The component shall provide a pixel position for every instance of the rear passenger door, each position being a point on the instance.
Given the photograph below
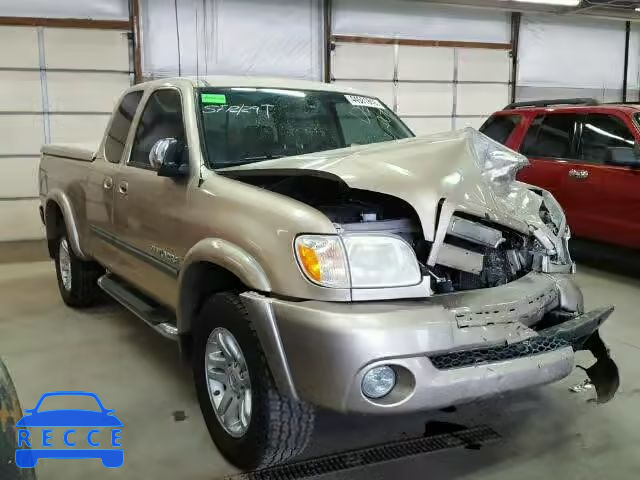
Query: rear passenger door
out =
(100, 188)
(610, 209)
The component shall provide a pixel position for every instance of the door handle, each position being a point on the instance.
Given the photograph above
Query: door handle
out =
(123, 187)
(578, 174)
(108, 183)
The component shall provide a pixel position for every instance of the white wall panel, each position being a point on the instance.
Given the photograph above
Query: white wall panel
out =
(85, 92)
(97, 9)
(381, 90)
(19, 177)
(418, 19)
(569, 52)
(18, 47)
(278, 37)
(355, 60)
(425, 98)
(77, 48)
(20, 220)
(20, 91)
(474, 122)
(78, 128)
(481, 99)
(421, 63)
(485, 65)
(21, 134)
(424, 126)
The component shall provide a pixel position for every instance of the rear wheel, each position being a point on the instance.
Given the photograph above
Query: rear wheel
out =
(77, 279)
(251, 423)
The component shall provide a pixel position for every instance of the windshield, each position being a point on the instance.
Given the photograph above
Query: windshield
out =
(246, 125)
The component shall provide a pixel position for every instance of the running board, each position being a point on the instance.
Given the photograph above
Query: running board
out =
(140, 306)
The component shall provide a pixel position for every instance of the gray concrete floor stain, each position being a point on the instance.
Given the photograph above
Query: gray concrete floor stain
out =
(547, 432)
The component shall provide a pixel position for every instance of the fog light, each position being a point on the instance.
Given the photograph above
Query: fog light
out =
(378, 382)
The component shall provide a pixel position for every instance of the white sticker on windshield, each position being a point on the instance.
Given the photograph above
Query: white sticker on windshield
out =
(360, 101)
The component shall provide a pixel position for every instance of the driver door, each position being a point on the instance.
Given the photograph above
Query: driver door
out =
(149, 209)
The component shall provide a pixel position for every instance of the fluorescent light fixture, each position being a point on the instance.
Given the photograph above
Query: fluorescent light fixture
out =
(637, 9)
(561, 3)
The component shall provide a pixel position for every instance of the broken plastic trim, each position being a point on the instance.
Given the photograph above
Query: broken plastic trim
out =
(582, 332)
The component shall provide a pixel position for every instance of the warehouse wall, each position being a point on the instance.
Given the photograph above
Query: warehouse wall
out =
(422, 20)
(562, 57)
(433, 88)
(94, 9)
(56, 85)
(242, 37)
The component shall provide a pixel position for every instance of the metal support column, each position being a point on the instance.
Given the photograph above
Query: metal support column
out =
(515, 40)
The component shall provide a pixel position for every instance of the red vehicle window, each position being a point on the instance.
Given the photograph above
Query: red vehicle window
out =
(499, 127)
(551, 136)
(605, 139)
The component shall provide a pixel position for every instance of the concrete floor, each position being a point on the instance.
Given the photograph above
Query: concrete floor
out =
(548, 432)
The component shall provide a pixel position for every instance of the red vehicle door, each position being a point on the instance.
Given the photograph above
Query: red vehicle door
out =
(604, 184)
(550, 144)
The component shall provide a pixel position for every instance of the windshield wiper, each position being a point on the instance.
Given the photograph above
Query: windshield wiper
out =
(266, 156)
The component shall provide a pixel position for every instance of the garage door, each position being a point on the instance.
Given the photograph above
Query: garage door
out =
(56, 85)
(432, 88)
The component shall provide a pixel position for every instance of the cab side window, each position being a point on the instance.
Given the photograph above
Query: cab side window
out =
(120, 125)
(551, 136)
(605, 139)
(161, 118)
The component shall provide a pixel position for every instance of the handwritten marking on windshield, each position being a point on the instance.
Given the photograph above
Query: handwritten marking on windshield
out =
(238, 109)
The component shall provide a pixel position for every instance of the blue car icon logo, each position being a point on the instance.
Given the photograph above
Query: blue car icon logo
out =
(67, 420)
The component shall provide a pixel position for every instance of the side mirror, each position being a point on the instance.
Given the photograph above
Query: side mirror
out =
(623, 156)
(169, 157)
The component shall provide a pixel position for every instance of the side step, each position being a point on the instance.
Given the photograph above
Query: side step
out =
(140, 306)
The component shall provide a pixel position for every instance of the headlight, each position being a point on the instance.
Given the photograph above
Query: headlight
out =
(377, 261)
(357, 261)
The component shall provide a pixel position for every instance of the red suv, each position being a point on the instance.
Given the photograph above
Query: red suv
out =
(586, 154)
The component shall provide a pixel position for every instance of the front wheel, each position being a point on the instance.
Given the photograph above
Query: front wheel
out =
(251, 423)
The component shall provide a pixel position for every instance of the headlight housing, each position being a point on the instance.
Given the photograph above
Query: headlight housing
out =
(357, 261)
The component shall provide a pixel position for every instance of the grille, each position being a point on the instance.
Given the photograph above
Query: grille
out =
(526, 348)
(355, 459)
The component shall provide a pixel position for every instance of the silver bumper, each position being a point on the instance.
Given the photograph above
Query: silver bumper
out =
(319, 351)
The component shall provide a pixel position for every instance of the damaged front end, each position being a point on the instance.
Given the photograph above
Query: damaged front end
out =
(454, 200)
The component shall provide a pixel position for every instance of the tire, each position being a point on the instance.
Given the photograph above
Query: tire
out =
(81, 289)
(279, 427)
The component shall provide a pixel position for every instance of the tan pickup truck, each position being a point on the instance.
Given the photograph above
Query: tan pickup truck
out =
(307, 250)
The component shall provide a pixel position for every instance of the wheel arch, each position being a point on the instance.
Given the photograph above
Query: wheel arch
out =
(58, 214)
(213, 266)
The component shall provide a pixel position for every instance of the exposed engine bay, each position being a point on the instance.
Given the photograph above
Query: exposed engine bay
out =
(476, 253)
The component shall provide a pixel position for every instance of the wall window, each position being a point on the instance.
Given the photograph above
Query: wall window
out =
(119, 129)
(551, 136)
(162, 118)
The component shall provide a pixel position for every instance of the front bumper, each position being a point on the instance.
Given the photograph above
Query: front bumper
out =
(446, 350)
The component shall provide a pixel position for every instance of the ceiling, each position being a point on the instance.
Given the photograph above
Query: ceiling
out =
(619, 9)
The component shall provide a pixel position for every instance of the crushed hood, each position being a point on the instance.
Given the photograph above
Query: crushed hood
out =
(466, 169)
